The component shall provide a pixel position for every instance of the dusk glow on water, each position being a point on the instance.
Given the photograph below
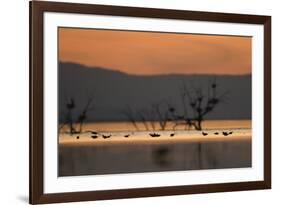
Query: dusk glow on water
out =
(137, 151)
(241, 130)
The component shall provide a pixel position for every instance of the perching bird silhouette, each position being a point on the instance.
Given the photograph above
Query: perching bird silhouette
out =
(70, 105)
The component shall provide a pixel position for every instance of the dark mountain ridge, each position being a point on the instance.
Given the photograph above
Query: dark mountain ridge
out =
(113, 91)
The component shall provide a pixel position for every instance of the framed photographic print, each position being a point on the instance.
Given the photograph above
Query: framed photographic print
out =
(139, 102)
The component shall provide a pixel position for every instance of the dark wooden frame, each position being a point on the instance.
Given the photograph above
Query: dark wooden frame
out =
(37, 9)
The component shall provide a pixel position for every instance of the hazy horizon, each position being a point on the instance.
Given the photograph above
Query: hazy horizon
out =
(157, 74)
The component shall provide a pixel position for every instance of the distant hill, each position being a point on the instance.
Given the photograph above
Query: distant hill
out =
(113, 91)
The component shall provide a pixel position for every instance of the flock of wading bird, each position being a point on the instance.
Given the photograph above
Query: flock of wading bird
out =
(95, 135)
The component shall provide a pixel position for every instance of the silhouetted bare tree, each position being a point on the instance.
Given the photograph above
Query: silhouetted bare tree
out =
(198, 104)
(162, 117)
(149, 117)
(141, 115)
(70, 120)
(195, 106)
(131, 116)
(83, 115)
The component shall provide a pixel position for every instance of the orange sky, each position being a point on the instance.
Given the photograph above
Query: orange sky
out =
(147, 53)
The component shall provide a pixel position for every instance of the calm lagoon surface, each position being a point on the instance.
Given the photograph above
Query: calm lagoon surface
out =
(118, 147)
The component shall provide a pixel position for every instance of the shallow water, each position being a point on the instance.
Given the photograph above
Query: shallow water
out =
(128, 126)
(186, 150)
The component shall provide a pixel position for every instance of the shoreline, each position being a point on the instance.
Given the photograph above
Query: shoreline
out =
(145, 138)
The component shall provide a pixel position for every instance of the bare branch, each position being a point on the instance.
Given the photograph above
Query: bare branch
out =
(130, 115)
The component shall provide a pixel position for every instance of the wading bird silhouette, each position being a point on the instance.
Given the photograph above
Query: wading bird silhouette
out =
(225, 133)
(94, 133)
(154, 135)
(106, 136)
(204, 133)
